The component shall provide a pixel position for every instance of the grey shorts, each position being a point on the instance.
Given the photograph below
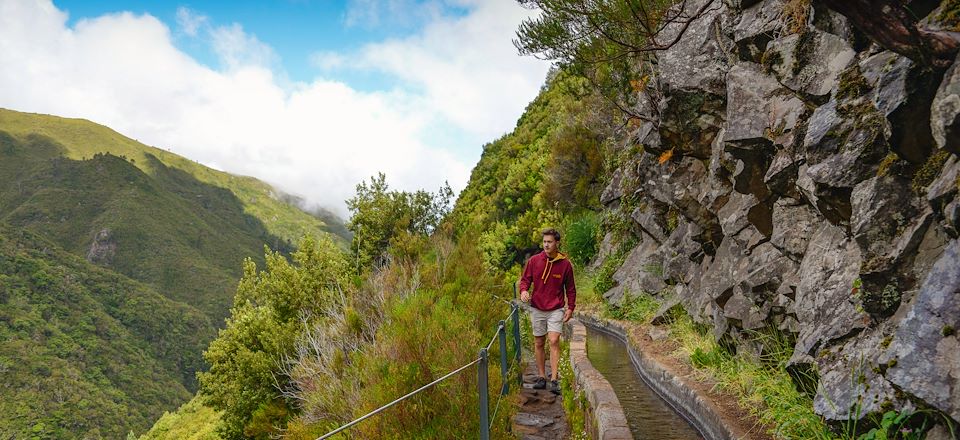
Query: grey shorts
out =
(546, 321)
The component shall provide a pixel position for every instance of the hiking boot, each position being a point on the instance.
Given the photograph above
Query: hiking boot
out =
(555, 387)
(540, 383)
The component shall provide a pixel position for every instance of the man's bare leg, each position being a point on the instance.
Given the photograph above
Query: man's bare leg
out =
(539, 354)
(554, 354)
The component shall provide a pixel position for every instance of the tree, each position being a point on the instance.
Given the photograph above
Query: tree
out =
(606, 41)
(381, 218)
(891, 24)
(270, 310)
(592, 31)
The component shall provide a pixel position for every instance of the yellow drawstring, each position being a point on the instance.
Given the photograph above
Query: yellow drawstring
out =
(546, 270)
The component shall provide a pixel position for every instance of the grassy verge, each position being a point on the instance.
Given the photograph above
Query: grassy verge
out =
(764, 388)
(573, 402)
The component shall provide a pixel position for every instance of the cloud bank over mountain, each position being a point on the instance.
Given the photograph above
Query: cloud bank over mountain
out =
(456, 83)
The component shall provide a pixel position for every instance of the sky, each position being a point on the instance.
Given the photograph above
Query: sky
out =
(312, 96)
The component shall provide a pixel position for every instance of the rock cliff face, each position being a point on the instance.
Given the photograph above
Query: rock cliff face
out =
(810, 187)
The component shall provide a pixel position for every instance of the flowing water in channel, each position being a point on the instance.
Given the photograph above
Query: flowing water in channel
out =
(648, 415)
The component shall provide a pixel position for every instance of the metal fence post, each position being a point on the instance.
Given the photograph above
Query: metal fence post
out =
(502, 335)
(484, 395)
(516, 332)
(516, 342)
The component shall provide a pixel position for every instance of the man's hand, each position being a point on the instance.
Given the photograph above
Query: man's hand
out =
(525, 296)
(567, 315)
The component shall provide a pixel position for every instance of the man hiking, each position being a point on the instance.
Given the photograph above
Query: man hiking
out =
(551, 275)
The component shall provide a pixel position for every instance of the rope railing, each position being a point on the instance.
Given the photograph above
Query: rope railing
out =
(482, 377)
(398, 400)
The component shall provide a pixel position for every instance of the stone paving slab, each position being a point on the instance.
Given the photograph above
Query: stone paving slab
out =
(541, 415)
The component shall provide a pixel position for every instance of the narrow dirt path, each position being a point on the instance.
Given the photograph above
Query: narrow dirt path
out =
(541, 415)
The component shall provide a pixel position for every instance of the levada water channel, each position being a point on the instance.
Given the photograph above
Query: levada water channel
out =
(647, 414)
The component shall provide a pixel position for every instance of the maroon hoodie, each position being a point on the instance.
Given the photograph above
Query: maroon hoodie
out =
(550, 279)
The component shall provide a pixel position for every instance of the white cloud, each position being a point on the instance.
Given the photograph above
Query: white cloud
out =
(316, 139)
(327, 61)
(402, 13)
(236, 49)
(467, 66)
(189, 21)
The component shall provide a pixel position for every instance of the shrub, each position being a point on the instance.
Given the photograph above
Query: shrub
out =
(635, 307)
(581, 238)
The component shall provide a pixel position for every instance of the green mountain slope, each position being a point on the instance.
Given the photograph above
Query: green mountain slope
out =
(117, 263)
(185, 238)
(182, 228)
(85, 352)
(83, 139)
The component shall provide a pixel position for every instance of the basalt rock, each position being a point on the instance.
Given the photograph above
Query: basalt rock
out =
(746, 313)
(793, 226)
(863, 147)
(923, 359)
(652, 217)
(639, 274)
(809, 63)
(733, 214)
(614, 190)
(692, 73)
(781, 176)
(832, 22)
(888, 227)
(826, 308)
(738, 267)
(851, 383)
(805, 192)
(945, 187)
(697, 62)
(945, 112)
(681, 252)
(756, 27)
(881, 206)
(758, 107)
(951, 214)
(606, 248)
(680, 188)
(690, 120)
(822, 138)
(903, 92)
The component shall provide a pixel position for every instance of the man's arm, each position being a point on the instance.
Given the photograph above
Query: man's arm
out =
(525, 279)
(570, 286)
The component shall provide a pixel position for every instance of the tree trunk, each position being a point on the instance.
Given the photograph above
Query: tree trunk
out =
(891, 25)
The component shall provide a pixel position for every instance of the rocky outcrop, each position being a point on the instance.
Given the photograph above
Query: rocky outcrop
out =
(945, 112)
(812, 188)
(924, 356)
(103, 248)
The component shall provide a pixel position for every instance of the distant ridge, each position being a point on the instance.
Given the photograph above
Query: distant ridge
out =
(81, 139)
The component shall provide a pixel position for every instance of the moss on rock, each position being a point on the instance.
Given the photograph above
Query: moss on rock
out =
(949, 16)
(886, 164)
(851, 84)
(929, 171)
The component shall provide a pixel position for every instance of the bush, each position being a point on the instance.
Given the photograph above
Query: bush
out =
(581, 238)
(635, 307)
(604, 276)
(270, 309)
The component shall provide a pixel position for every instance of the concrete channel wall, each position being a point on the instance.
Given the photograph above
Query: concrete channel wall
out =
(699, 412)
(604, 418)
